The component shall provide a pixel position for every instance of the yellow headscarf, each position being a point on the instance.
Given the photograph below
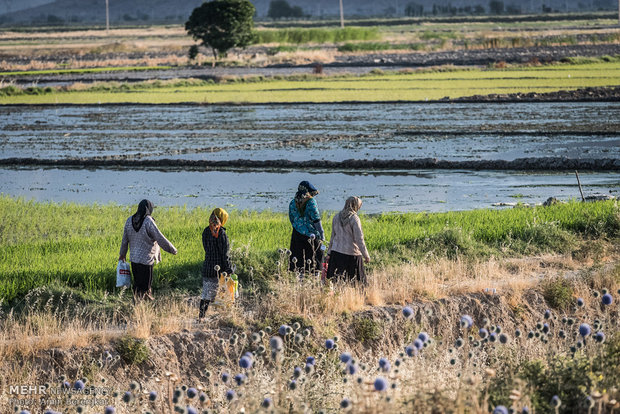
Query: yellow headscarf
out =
(218, 218)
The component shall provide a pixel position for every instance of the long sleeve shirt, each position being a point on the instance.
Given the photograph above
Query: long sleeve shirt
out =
(217, 252)
(348, 239)
(144, 244)
(309, 222)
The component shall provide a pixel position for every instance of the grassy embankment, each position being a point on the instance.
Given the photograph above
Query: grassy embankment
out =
(375, 87)
(77, 246)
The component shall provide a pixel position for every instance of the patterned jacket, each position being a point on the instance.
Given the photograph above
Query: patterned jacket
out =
(217, 252)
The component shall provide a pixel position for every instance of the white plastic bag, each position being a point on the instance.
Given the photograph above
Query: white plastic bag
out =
(123, 274)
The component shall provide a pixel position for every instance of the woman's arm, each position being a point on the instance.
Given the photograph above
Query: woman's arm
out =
(154, 233)
(358, 238)
(334, 232)
(124, 245)
(312, 211)
(225, 249)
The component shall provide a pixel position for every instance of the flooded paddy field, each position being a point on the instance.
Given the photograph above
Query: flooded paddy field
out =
(328, 132)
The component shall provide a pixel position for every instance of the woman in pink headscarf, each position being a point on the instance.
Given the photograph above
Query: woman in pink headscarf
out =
(347, 250)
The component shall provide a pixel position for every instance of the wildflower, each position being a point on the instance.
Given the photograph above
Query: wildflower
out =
(276, 343)
(190, 410)
(312, 236)
(545, 328)
(466, 322)
(345, 357)
(500, 409)
(306, 332)
(547, 314)
(525, 410)
(78, 385)
(483, 333)
(452, 361)
(580, 302)
(384, 364)
(599, 337)
(294, 260)
(109, 410)
(607, 299)
(418, 343)
(283, 330)
(245, 362)
(310, 360)
(261, 349)
(345, 403)
(292, 385)
(216, 268)
(230, 395)
(407, 312)
(240, 379)
(202, 397)
(498, 329)
(296, 372)
(152, 395)
(225, 377)
(423, 336)
(127, 397)
(503, 338)
(584, 329)
(459, 342)
(351, 369)
(562, 334)
(492, 337)
(267, 403)
(530, 334)
(380, 384)
(555, 401)
(329, 344)
(309, 368)
(411, 350)
(517, 333)
(191, 392)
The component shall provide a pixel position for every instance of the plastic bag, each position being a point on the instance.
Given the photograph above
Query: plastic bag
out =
(123, 274)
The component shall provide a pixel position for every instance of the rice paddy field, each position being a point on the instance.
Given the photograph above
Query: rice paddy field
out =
(373, 88)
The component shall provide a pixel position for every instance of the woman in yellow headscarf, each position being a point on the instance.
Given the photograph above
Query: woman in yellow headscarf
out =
(217, 257)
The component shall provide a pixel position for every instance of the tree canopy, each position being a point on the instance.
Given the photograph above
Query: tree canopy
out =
(222, 24)
(280, 8)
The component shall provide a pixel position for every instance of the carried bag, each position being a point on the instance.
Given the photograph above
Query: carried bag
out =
(123, 274)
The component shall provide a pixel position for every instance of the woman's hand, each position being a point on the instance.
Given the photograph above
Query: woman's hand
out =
(367, 259)
(121, 258)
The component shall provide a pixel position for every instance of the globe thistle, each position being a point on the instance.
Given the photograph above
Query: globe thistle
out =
(78, 385)
(498, 329)
(423, 336)
(312, 236)
(483, 333)
(545, 328)
(225, 377)
(599, 337)
(329, 344)
(517, 333)
(240, 379)
(309, 369)
(245, 362)
(306, 332)
(216, 268)
(345, 403)
(493, 337)
(547, 314)
(562, 334)
(530, 334)
(595, 294)
(584, 329)
(459, 342)
(283, 330)
(230, 395)
(191, 393)
(276, 343)
(345, 357)
(503, 338)
(466, 322)
(351, 369)
(411, 350)
(580, 302)
(292, 385)
(297, 372)
(418, 343)
(294, 260)
(310, 360)
(500, 409)
(555, 401)
(127, 397)
(407, 312)
(380, 384)
(109, 410)
(453, 361)
(261, 349)
(607, 299)
(267, 403)
(152, 395)
(525, 410)
(384, 365)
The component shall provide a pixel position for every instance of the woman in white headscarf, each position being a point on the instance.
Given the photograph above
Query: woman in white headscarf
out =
(347, 250)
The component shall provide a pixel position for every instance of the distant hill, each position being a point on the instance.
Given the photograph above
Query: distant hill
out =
(56, 12)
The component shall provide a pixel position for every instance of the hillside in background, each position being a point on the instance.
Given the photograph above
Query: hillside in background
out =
(50, 12)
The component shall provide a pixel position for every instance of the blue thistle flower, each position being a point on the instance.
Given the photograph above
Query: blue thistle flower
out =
(109, 410)
(418, 343)
(580, 302)
(240, 379)
(292, 385)
(230, 395)
(192, 392)
(500, 409)
(555, 401)
(459, 342)
(547, 314)
(329, 344)
(310, 360)
(380, 384)
(384, 364)
(545, 328)
(525, 410)
(283, 330)
(245, 362)
(517, 333)
(411, 350)
(345, 403)
(267, 403)
(345, 357)
(152, 395)
(127, 397)
(24, 412)
(225, 377)
(584, 330)
(297, 372)
(78, 385)
(503, 338)
(190, 410)
(493, 337)
(466, 322)
(351, 369)
(483, 333)
(607, 299)
(599, 337)
(407, 312)
(423, 336)
(276, 343)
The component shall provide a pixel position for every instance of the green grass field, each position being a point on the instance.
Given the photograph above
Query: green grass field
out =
(77, 246)
(378, 87)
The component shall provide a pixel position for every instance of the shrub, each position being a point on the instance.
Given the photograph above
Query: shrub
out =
(132, 350)
(558, 293)
(366, 329)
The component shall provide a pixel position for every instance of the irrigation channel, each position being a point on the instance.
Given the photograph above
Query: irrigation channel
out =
(249, 157)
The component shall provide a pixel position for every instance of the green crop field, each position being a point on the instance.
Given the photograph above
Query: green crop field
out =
(77, 245)
(378, 87)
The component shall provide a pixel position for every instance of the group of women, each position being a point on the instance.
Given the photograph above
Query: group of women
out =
(345, 259)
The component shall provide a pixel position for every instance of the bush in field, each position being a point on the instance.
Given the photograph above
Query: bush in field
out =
(222, 25)
(558, 293)
(132, 350)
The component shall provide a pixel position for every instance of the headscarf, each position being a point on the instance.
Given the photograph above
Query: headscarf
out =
(145, 208)
(218, 218)
(351, 207)
(305, 191)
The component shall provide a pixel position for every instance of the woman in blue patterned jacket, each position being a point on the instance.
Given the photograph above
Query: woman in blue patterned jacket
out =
(308, 234)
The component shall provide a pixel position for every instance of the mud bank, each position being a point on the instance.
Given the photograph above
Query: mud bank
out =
(578, 95)
(520, 164)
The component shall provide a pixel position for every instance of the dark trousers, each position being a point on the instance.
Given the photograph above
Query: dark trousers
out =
(142, 279)
(304, 249)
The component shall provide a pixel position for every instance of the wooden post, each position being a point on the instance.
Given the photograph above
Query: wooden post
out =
(342, 15)
(579, 183)
(107, 17)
